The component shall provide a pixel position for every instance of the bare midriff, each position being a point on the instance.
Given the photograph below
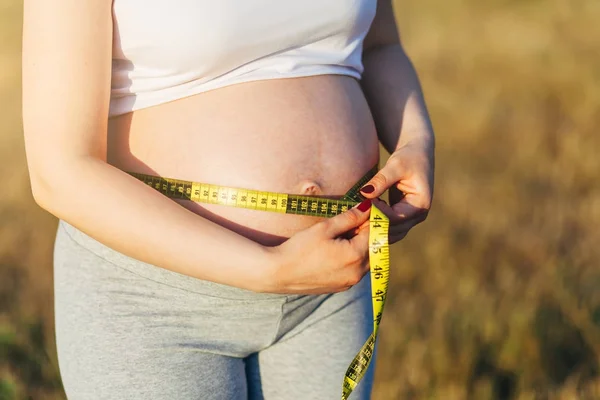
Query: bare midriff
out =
(310, 135)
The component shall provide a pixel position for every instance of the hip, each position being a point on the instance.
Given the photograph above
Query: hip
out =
(100, 290)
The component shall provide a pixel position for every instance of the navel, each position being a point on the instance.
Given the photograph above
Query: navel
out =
(310, 188)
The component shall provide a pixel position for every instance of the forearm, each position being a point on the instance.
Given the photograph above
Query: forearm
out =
(130, 217)
(394, 94)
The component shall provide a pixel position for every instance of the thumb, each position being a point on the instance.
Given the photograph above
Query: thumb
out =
(348, 220)
(379, 183)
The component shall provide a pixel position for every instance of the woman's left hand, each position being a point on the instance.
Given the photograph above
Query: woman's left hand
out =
(408, 174)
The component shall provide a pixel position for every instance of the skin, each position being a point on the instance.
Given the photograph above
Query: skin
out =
(330, 127)
(394, 93)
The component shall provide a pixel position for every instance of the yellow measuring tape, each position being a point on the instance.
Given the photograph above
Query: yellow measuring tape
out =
(379, 255)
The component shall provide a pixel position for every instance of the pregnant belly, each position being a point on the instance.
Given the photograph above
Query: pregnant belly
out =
(311, 135)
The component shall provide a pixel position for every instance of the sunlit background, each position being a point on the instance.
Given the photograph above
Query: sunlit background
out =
(497, 295)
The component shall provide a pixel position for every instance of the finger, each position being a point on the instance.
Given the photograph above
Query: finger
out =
(395, 195)
(360, 243)
(415, 192)
(405, 212)
(397, 237)
(399, 232)
(408, 224)
(410, 198)
(350, 234)
(383, 180)
(365, 225)
(344, 222)
(388, 211)
(381, 205)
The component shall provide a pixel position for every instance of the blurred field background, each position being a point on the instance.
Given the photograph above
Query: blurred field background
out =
(497, 295)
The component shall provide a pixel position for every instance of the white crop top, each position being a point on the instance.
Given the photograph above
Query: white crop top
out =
(165, 50)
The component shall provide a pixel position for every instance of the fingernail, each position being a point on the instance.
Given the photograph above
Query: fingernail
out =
(364, 206)
(368, 189)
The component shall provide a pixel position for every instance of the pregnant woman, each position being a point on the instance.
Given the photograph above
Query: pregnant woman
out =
(164, 299)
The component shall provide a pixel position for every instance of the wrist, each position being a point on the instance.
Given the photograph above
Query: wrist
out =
(266, 275)
(422, 138)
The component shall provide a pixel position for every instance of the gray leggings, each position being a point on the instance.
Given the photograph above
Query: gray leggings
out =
(129, 330)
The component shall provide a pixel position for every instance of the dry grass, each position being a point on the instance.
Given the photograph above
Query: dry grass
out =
(496, 296)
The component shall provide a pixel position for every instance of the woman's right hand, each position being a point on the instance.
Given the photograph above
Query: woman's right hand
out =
(322, 259)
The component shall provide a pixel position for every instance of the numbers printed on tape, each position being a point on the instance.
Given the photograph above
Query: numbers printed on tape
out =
(379, 254)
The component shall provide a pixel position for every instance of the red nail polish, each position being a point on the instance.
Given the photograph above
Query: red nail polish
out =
(368, 189)
(365, 205)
